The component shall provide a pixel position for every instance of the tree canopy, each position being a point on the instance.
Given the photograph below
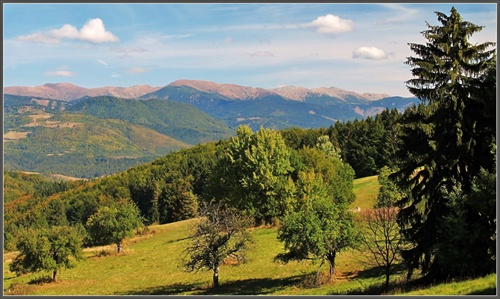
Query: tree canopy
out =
(48, 250)
(112, 224)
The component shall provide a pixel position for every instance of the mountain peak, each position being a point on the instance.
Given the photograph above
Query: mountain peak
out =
(293, 92)
(232, 91)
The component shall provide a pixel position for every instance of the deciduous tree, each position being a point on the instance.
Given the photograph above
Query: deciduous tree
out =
(47, 250)
(319, 225)
(219, 234)
(253, 174)
(112, 224)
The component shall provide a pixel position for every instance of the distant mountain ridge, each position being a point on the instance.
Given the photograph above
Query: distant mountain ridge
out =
(234, 104)
(70, 92)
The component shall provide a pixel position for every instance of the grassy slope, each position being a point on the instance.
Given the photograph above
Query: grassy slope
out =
(72, 150)
(150, 265)
(366, 190)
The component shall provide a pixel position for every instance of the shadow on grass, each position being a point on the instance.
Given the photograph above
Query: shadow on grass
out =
(176, 240)
(487, 291)
(253, 286)
(173, 289)
(379, 288)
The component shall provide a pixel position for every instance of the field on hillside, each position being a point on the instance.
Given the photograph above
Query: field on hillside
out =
(150, 265)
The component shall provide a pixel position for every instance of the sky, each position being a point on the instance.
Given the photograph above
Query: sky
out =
(357, 47)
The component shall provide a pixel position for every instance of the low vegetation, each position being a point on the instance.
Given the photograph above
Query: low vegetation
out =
(156, 253)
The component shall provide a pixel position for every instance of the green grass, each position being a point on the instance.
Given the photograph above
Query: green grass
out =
(366, 190)
(480, 286)
(150, 265)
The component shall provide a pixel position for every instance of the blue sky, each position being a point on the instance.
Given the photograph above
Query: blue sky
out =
(358, 47)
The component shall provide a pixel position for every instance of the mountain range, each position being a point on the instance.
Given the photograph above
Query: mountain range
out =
(102, 130)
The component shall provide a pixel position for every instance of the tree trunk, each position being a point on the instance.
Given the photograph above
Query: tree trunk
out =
(216, 277)
(331, 261)
(387, 275)
(54, 276)
(119, 247)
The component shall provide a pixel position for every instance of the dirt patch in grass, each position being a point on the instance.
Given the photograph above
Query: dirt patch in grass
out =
(13, 135)
(60, 125)
(66, 178)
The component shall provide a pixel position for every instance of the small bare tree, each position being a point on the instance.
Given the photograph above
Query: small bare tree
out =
(220, 233)
(381, 236)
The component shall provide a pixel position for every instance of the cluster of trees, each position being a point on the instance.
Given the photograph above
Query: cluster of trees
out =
(436, 164)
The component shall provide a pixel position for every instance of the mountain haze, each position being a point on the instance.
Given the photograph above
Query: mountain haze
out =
(70, 92)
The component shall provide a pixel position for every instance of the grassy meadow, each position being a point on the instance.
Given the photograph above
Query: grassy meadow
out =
(150, 265)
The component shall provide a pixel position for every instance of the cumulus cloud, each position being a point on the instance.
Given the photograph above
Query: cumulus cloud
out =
(331, 24)
(372, 53)
(262, 54)
(93, 31)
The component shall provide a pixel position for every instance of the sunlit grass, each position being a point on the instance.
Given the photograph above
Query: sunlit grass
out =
(366, 190)
(480, 286)
(151, 265)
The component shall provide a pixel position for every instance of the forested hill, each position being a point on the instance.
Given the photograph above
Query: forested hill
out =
(178, 120)
(99, 136)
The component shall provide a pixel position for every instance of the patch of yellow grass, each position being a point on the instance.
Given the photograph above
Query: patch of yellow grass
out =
(13, 135)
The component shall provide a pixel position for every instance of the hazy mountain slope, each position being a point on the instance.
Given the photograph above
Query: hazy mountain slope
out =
(69, 92)
(280, 108)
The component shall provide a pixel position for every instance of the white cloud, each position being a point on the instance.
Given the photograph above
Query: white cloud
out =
(371, 53)
(102, 62)
(93, 31)
(331, 24)
(59, 73)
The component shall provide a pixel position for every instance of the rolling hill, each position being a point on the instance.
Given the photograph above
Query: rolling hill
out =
(99, 136)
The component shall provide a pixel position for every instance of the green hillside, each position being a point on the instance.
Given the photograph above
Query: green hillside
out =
(150, 266)
(80, 145)
(178, 120)
(99, 136)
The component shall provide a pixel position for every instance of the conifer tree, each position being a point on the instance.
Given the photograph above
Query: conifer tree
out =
(446, 140)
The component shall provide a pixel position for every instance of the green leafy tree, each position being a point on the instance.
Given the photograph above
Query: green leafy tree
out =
(446, 140)
(219, 234)
(318, 225)
(112, 224)
(47, 250)
(253, 174)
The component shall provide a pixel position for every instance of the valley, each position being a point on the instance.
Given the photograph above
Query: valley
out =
(99, 131)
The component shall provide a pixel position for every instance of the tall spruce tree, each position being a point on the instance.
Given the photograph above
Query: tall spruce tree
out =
(446, 141)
